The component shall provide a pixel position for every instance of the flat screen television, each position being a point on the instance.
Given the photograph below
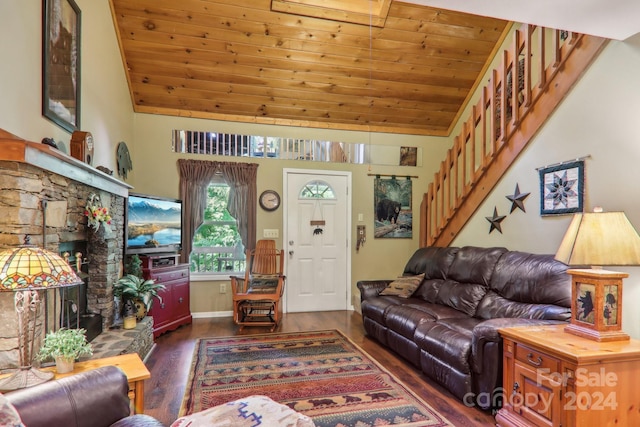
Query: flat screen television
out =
(154, 224)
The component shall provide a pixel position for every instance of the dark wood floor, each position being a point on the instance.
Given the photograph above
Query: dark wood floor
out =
(170, 362)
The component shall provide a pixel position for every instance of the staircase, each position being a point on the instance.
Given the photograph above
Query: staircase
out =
(535, 73)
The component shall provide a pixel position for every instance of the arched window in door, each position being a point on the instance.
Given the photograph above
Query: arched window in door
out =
(317, 190)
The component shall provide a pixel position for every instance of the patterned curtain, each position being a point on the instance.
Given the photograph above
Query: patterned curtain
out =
(241, 178)
(195, 177)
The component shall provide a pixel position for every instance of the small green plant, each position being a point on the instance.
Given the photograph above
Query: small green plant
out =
(66, 343)
(131, 287)
(134, 265)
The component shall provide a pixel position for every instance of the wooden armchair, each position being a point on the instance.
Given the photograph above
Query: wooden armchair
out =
(257, 296)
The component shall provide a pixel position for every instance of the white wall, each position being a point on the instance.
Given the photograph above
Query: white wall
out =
(106, 109)
(599, 118)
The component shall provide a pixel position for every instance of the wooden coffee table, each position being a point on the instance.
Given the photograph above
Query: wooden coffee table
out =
(131, 365)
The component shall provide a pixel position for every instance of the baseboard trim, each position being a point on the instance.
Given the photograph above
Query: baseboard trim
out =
(210, 314)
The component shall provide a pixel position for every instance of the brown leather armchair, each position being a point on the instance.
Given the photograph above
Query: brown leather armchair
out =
(97, 398)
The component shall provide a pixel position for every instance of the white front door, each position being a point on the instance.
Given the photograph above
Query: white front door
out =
(317, 230)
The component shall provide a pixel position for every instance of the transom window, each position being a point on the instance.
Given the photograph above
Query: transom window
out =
(317, 190)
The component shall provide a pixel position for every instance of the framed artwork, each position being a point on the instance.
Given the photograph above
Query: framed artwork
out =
(562, 188)
(408, 156)
(61, 63)
(585, 304)
(392, 208)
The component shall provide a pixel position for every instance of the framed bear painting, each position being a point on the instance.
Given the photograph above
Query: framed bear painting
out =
(392, 208)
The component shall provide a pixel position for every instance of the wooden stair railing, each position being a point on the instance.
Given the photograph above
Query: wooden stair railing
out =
(538, 70)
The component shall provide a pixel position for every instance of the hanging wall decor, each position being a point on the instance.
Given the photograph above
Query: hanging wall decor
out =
(495, 221)
(392, 208)
(562, 188)
(61, 63)
(317, 219)
(517, 199)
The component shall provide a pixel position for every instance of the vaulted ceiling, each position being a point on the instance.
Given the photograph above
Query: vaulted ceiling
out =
(379, 65)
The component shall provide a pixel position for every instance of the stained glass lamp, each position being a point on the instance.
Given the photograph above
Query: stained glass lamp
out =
(597, 239)
(25, 271)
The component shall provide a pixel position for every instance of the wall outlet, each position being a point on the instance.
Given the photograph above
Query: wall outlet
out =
(223, 288)
(272, 233)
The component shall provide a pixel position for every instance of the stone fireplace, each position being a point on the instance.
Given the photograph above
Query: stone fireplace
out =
(43, 193)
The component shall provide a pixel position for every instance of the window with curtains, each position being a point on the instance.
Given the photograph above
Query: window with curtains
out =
(217, 246)
(196, 178)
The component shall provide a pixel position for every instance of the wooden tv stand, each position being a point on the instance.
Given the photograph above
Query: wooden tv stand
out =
(174, 310)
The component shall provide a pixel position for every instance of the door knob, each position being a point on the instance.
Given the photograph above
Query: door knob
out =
(291, 253)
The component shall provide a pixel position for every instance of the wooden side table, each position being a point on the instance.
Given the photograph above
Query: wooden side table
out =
(554, 378)
(131, 365)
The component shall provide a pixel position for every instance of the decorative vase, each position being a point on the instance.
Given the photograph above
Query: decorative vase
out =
(141, 309)
(130, 322)
(130, 314)
(64, 365)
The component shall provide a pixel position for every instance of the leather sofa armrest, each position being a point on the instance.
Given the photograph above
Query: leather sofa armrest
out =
(371, 288)
(89, 399)
(488, 332)
(486, 358)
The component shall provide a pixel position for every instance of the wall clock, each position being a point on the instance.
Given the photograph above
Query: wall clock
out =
(269, 200)
(82, 146)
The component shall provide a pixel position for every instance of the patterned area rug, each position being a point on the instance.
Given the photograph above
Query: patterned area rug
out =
(321, 374)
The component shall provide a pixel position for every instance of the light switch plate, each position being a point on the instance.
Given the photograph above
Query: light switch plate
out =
(272, 233)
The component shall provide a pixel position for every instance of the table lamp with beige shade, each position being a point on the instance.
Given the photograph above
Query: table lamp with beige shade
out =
(27, 270)
(598, 239)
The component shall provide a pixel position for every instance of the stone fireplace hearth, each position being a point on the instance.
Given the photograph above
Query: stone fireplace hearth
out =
(40, 184)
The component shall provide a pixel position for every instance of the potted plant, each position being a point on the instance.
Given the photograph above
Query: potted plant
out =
(65, 346)
(136, 290)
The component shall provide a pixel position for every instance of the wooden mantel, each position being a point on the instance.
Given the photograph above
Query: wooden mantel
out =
(16, 149)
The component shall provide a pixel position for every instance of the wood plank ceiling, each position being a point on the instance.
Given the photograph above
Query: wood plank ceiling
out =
(399, 68)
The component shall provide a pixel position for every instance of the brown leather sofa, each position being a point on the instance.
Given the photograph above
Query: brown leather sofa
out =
(448, 328)
(94, 398)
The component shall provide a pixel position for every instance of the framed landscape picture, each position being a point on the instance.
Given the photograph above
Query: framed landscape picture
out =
(61, 63)
(562, 188)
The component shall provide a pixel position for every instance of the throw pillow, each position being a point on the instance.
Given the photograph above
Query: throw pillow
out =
(8, 415)
(403, 286)
(250, 411)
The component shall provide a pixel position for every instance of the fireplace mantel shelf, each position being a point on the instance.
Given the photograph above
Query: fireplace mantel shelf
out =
(15, 149)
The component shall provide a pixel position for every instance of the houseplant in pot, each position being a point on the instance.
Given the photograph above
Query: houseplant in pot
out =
(138, 291)
(65, 346)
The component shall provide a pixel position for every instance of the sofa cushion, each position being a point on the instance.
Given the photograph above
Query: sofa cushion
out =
(463, 297)
(404, 319)
(532, 278)
(433, 261)
(443, 343)
(436, 311)
(376, 308)
(403, 286)
(475, 265)
(494, 306)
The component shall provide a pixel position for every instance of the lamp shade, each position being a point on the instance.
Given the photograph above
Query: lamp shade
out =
(30, 267)
(600, 238)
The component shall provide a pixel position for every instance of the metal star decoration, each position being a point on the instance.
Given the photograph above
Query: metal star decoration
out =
(517, 199)
(495, 221)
